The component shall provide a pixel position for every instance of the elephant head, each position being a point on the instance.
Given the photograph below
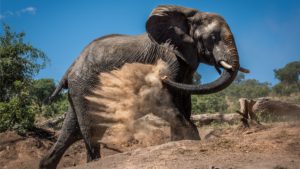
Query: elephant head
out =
(198, 37)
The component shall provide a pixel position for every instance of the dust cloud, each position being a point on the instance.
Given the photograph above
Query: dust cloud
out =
(127, 94)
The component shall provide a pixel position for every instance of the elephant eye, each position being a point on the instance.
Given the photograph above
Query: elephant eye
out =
(213, 37)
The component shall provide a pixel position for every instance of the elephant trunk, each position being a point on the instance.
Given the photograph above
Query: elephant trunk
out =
(226, 78)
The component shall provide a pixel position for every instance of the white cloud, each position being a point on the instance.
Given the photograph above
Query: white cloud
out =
(28, 10)
(8, 13)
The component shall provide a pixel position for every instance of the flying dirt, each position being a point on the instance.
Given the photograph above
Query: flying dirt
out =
(126, 95)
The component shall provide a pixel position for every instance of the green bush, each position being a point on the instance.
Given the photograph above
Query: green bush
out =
(208, 103)
(43, 88)
(19, 112)
(227, 100)
(283, 89)
(57, 107)
(19, 95)
(250, 88)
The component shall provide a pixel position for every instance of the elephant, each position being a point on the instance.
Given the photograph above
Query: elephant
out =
(180, 36)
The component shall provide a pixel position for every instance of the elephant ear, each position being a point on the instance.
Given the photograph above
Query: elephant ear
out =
(169, 24)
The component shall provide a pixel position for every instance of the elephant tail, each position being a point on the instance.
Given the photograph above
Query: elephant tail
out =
(63, 84)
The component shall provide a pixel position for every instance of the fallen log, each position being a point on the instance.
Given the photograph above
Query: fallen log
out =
(207, 119)
(266, 106)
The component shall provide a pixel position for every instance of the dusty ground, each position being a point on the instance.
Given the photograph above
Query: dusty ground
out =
(275, 146)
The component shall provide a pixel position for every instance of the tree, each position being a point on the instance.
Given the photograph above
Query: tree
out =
(19, 62)
(239, 78)
(41, 89)
(289, 74)
(249, 88)
(289, 79)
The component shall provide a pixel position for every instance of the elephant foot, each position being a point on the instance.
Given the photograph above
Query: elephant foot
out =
(185, 133)
(48, 162)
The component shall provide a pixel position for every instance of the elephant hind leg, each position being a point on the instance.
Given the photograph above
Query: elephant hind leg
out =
(91, 133)
(70, 133)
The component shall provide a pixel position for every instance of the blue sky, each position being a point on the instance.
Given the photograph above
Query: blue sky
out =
(267, 32)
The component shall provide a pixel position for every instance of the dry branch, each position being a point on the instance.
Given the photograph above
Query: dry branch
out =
(53, 123)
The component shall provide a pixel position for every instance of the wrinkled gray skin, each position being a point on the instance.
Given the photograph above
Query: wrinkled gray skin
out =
(183, 37)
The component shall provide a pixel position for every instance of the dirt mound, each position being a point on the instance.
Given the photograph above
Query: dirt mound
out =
(25, 152)
(274, 145)
(21, 152)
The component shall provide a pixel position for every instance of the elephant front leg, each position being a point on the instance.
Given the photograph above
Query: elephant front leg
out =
(185, 131)
(181, 128)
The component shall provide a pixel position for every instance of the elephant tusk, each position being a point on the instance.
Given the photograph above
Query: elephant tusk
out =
(244, 70)
(225, 65)
(164, 77)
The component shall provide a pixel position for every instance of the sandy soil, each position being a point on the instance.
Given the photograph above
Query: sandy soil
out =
(274, 146)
